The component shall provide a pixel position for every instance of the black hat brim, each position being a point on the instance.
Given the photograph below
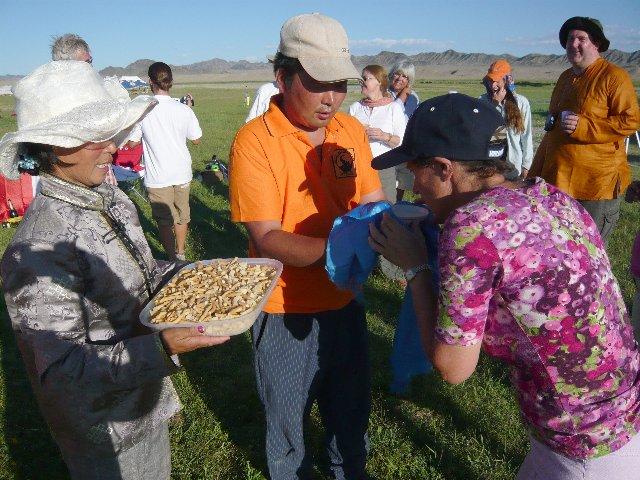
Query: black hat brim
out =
(587, 25)
(393, 157)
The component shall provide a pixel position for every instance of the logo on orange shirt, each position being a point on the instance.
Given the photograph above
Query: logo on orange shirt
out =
(344, 162)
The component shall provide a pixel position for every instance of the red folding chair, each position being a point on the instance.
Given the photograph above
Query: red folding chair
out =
(129, 170)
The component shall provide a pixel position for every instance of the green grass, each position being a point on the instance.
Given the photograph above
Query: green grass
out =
(438, 431)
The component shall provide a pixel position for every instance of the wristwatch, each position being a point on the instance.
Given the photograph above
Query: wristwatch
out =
(413, 271)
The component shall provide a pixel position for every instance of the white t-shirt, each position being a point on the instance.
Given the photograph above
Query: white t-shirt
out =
(389, 118)
(164, 132)
(263, 97)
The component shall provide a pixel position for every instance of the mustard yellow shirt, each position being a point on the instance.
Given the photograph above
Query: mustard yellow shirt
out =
(591, 163)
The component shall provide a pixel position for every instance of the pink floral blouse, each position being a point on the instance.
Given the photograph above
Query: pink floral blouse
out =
(525, 272)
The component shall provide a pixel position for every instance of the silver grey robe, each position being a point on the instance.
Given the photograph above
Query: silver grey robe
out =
(73, 290)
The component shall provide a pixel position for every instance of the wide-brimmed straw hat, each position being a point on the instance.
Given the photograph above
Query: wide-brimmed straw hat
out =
(321, 45)
(67, 104)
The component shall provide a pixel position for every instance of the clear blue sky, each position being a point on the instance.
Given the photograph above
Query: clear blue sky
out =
(188, 31)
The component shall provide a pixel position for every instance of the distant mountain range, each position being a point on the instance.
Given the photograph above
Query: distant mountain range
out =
(451, 57)
(429, 65)
(628, 60)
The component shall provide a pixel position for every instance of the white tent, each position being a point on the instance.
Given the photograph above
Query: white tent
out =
(5, 90)
(130, 82)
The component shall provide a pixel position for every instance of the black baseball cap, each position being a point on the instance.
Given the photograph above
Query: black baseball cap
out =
(590, 25)
(453, 126)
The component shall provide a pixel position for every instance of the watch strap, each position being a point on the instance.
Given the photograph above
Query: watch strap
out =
(413, 271)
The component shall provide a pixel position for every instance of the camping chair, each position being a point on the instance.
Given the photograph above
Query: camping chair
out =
(130, 181)
(627, 140)
(215, 172)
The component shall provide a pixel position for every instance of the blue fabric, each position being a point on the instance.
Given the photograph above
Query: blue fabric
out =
(349, 262)
(408, 358)
(350, 259)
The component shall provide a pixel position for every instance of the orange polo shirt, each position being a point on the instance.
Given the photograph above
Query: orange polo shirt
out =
(276, 174)
(591, 163)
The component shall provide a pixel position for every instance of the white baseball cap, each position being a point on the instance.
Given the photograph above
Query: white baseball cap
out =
(321, 45)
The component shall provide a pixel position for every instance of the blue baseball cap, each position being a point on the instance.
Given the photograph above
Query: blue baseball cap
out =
(453, 126)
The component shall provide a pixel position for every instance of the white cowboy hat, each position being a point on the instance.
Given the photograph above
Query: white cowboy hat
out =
(67, 104)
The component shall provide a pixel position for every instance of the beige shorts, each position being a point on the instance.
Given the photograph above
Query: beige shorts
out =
(170, 205)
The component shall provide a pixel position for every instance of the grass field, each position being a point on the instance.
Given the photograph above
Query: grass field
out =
(439, 431)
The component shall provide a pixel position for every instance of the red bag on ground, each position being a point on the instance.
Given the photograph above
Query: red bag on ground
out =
(129, 158)
(19, 191)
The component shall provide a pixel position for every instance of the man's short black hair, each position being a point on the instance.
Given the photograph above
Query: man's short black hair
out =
(289, 65)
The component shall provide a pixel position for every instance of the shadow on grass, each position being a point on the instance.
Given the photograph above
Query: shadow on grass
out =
(229, 392)
(383, 301)
(211, 231)
(224, 377)
(385, 304)
(31, 449)
(429, 393)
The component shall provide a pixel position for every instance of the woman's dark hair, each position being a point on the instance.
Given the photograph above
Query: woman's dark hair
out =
(481, 168)
(160, 75)
(41, 154)
(289, 65)
(514, 118)
(487, 168)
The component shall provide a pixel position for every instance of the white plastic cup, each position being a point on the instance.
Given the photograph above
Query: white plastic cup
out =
(408, 213)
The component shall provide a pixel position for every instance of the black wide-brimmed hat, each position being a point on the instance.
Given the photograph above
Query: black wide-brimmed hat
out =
(590, 25)
(453, 126)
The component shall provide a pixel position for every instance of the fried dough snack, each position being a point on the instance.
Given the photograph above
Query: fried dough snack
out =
(224, 289)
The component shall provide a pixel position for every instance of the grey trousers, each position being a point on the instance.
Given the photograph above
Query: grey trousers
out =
(301, 358)
(605, 214)
(149, 459)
